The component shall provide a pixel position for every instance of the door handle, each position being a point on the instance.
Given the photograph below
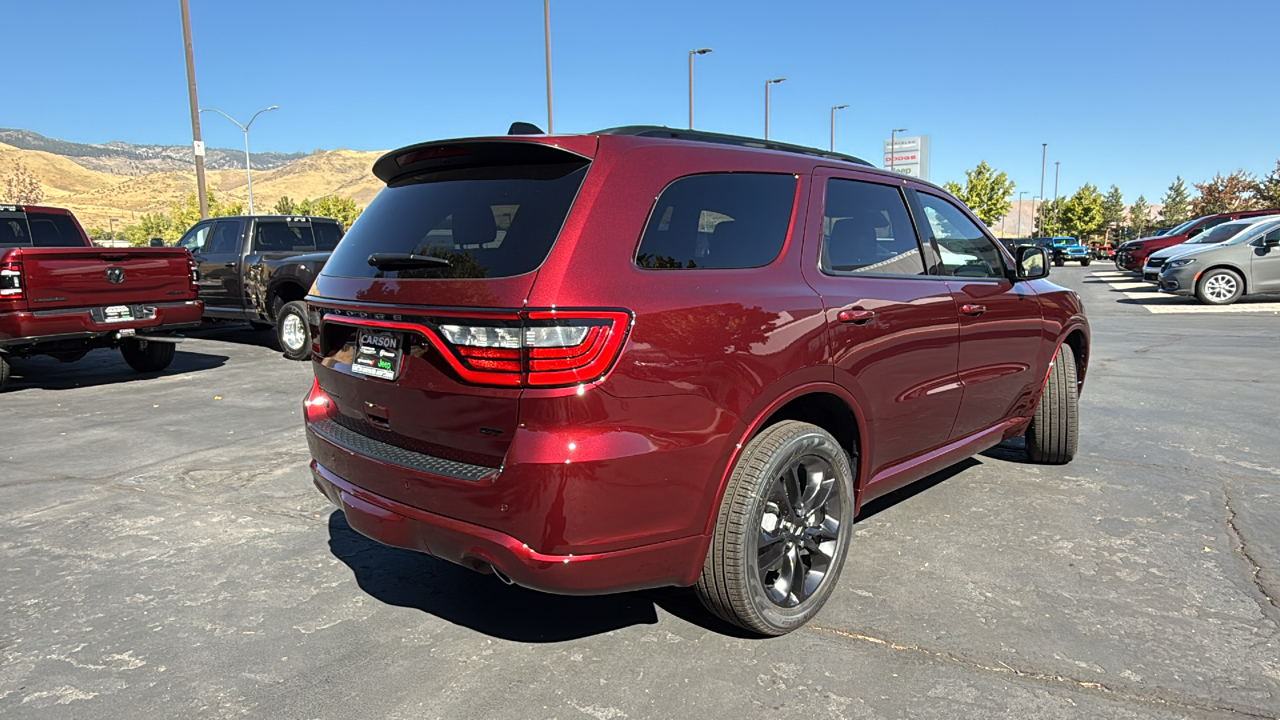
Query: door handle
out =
(856, 316)
(972, 309)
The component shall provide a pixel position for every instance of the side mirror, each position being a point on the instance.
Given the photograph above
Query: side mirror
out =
(1032, 263)
(1270, 242)
(156, 242)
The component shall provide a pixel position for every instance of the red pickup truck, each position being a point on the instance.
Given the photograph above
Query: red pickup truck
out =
(61, 296)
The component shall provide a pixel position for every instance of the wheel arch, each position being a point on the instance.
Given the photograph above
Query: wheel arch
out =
(825, 404)
(1244, 276)
(287, 289)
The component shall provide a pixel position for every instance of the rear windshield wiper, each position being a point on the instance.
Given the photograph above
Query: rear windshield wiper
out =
(401, 261)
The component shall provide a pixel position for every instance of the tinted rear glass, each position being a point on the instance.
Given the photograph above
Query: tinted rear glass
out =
(14, 230)
(282, 236)
(327, 235)
(487, 222)
(54, 231)
(727, 220)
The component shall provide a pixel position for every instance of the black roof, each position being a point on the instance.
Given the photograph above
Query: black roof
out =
(262, 216)
(720, 138)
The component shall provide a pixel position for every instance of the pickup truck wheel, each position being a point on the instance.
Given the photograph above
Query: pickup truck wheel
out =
(148, 357)
(782, 532)
(4, 371)
(1220, 287)
(292, 330)
(1054, 432)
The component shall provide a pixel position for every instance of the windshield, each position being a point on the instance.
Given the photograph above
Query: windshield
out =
(1178, 230)
(1222, 233)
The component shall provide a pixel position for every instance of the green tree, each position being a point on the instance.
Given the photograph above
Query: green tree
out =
(153, 225)
(342, 209)
(285, 206)
(1267, 192)
(1047, 218)
(1139, 216)
(1081, 213)
(985, 191)
(1112, 210)
(186, 212)
(1225, 194)
(1177, 204)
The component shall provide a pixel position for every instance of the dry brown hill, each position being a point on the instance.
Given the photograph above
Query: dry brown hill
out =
(96, 197)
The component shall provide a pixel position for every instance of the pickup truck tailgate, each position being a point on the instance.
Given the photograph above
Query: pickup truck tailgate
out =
(81, 277)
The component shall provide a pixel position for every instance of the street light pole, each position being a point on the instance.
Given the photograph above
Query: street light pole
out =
(196, 143)
(767, 83)
(1020, 194)
(699, 51)
(248, 170)
(1044, 152)
(546, 42)
(893, 145)
(1056, 208)
(834, 108)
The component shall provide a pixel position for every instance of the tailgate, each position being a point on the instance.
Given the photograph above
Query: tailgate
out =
(91, 277)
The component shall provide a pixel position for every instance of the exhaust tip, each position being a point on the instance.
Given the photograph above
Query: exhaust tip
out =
(502, 576)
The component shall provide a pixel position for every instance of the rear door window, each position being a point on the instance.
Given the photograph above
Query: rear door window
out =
(283, 236)
(487, 222)
(327, 235)
(225, 238)
(718, 221)
(866, 229)
(965, 250)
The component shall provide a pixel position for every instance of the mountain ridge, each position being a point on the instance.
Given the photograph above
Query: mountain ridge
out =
(121, 158)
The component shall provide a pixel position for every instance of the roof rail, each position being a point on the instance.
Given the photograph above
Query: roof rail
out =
(740, 140)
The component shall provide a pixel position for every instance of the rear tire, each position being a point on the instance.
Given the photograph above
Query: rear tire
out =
(1220, 287)
(4, 371)
(293, 332)
(148, 357)
(781, 536)
(1054, 432)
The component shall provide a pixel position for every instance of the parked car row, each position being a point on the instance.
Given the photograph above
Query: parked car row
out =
(1216, 258)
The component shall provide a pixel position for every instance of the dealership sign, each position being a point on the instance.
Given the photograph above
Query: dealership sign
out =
(909, 156)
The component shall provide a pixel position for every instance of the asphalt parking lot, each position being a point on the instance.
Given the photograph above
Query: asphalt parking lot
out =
(163, 553)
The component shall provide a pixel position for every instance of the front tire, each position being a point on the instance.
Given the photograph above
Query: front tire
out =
(4, 371)
(1054, 432)
(148, 357)
(293, 331)
(782, 532)
(1059, 262)
(1085, 262)
(1220, 287)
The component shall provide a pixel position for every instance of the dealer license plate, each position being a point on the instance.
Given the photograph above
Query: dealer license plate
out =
(378, 355)
(118, 313)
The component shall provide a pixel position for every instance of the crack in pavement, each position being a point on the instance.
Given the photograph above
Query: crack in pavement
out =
(1157, 696)
(1270, 608)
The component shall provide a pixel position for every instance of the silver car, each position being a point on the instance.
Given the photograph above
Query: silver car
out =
(1247, 264)
(1215, 236)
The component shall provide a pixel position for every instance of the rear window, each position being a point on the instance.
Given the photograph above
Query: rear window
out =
(327, 235)
(488, 222)
(39, 230)
(283, 236)
(725, 220)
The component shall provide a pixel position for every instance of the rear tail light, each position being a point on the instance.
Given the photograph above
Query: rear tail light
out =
(11, 281)
(317, 406)
(537, 348)
(194, 276)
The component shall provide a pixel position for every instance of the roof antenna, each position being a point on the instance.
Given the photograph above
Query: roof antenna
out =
(524, 128)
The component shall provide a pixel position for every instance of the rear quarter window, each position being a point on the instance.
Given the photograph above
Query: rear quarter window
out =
(718, 221)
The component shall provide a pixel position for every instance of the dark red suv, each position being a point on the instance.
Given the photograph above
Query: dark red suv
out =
(645, 357)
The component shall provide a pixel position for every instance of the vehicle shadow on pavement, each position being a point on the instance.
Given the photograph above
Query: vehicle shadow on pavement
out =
(98, 368)
(481, 602)
(238, 333)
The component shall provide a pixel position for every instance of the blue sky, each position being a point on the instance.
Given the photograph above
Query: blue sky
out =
(1124, 91)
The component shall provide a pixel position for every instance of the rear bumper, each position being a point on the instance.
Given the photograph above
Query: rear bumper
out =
(23, 328)
(482, 549)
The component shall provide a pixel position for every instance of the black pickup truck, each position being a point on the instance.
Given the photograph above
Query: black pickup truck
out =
(259, 268)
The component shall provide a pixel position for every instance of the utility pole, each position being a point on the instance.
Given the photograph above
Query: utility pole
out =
(699, 51)
(834, 108)
(1044, 152)
(197, 144)
(767, 83)
(546, 41)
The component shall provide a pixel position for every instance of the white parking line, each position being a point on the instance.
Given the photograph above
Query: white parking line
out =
(1145, 295)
